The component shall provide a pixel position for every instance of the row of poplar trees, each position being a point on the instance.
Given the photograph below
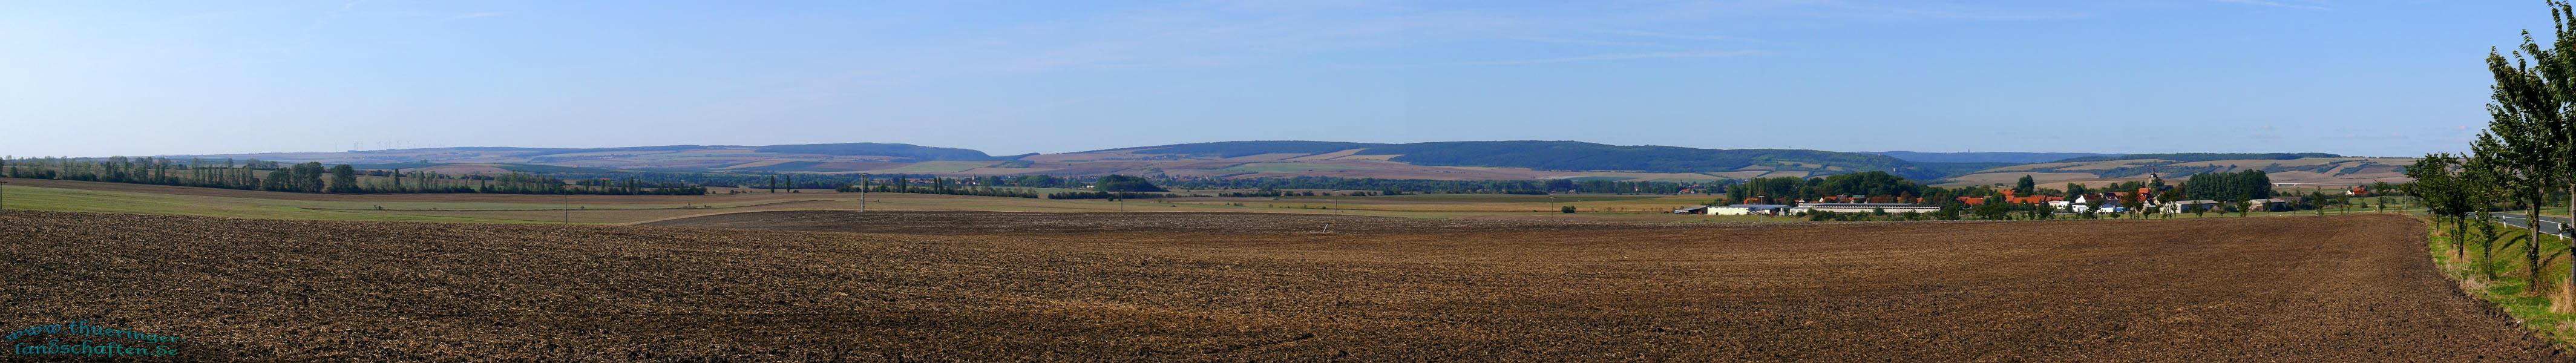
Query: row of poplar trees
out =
(2523, 157)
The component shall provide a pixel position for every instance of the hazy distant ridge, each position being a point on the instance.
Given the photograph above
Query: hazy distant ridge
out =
(1448, 160)
(1981, 157)
(2202, 157)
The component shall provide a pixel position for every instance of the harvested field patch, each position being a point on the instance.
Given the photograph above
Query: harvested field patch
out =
(1230, 288)
(1010, 222)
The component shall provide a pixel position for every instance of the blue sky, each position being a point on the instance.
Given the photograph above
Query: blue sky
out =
(2386, 78)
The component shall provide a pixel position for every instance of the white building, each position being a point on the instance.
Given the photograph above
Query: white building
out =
(1745, 209)
(2080, 204)
(2188, 206)
(1864, 208)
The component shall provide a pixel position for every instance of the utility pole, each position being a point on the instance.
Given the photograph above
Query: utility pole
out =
(863, 192)
(4, 196)
(567, 206)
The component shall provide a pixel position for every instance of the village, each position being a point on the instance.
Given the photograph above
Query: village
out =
(2155, 200)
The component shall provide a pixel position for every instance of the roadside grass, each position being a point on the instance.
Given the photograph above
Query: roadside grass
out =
(2510, 290)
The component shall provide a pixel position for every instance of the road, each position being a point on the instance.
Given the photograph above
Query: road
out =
(2548, 224)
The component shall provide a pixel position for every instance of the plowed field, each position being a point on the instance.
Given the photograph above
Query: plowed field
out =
(1102, 286)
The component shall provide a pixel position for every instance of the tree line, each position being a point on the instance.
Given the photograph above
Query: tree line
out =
(314, 177)
(2522, 158)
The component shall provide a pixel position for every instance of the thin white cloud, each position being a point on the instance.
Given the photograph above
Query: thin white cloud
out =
(1592, 42)
(2278, 4)
(1650, 34)
(1621, 56)
(1934, 10)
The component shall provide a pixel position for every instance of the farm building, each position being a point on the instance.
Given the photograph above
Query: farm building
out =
(1692, 210)
(2276, 204)
(2189, 206)
(1744, 209)
(1864, 208)
(2089, 202)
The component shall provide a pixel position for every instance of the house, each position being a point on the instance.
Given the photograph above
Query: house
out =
(2276, 204)
(2103, 202)
(1972, 201)
(2110, 203)
(2188, 206)
(1746, 209)
(2083, 202)
(2009, 197)
(1864, 208)
(2036, 199)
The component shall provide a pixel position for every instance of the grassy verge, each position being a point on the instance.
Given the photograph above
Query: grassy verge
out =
(2510, 288)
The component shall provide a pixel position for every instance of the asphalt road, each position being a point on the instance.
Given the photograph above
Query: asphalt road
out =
(2548, 224)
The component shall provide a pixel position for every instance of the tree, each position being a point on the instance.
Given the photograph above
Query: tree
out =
(2229, 187)
(1122, 183)
(2557, 135)
(308, 177)
(2445, 195)
(2025, 186)
(344, 179)
(2526, 119)
(2495, 179)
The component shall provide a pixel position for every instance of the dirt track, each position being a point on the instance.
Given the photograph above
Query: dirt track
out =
(2355, 288)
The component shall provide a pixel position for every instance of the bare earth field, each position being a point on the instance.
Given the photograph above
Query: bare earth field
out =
(950, 286)
(932, 222)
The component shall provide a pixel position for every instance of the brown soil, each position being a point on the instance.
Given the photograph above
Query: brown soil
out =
(1236, 287)
(928, 222)
(440, 197)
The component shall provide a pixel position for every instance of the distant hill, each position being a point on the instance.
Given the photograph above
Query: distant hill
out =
(907, 151)
(1561, 156)
(2200, 157)
(2095, 170)
(1981, 157)
(1451, 160)
(804, 158)
(1229, 149)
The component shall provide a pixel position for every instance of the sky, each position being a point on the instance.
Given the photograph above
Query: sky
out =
(2376, 78)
